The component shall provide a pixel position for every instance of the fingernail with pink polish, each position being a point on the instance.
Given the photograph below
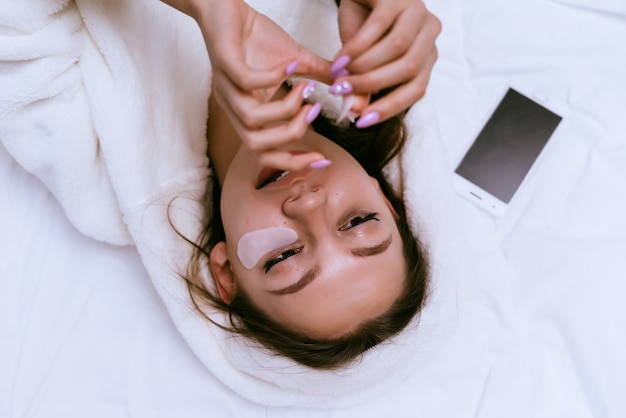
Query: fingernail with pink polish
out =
(291, 68)
(341, 73)
(339, 64)
(342, 88)
(320, 164)
(367, 120)
(309, 89)
(313, 112)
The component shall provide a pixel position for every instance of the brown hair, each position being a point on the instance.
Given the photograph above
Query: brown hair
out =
(373, 148)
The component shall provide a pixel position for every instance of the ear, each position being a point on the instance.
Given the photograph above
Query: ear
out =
(219, 263)
(387, 202)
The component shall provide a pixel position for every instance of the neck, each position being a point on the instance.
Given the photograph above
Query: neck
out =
(222, 140)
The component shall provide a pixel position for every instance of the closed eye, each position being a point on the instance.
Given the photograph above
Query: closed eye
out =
(310, 275)
(358, 220)
(281, 257)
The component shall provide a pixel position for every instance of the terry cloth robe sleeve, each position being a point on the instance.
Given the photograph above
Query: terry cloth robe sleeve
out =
(105, 108)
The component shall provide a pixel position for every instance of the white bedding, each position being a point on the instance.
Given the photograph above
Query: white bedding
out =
(83, 332)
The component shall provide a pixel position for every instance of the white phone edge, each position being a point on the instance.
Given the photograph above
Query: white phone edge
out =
(480, 197)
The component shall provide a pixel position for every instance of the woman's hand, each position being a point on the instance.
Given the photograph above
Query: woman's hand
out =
(271, 125)
(251, 57)
(251, 54)
(387, 43)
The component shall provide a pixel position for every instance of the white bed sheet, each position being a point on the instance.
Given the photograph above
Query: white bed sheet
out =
(83, 333)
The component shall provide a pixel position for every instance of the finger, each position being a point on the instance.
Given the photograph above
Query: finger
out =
(247, 78)
(279, 135)
(375, 26)
(255, 114)
(232, 99)
(361, 101)
(401, 98)
(419, 58)
(393, 45)
(350, 16)
(352, 105)
(311, 65)
(284, 160)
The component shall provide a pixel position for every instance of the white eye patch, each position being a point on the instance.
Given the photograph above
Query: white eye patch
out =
(254, 245)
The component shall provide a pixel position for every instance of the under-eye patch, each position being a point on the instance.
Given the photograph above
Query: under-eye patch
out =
(254, 245)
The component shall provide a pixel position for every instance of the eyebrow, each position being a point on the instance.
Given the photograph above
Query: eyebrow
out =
(308, 277)
(312, 274)
(370, 251)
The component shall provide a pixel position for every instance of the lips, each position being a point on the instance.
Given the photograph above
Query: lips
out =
(280, 179)
(269, 175)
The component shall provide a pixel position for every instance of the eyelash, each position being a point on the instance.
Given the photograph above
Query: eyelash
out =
(281, 257)
(352, 223)
(372, 216)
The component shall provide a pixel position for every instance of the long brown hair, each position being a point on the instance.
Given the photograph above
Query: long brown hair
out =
(373, 148)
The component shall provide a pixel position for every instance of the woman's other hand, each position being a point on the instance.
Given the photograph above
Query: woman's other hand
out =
(387, 43)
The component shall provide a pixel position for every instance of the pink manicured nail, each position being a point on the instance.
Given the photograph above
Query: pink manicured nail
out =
(320, 164)
(339, 64)
(291, 68)
(367, 120)
(309, 89)
(341, 73)
(313, 112)
(342, 88)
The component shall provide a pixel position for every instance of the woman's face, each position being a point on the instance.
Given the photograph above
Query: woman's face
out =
(346, 265)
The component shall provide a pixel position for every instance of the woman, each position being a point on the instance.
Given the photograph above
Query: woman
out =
(338, 270)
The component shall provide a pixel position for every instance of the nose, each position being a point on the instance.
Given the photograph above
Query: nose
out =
(306, 204)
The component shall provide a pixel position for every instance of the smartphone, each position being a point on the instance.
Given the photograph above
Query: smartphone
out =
(505, 150)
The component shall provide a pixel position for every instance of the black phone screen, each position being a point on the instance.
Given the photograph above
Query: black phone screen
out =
(508, 145)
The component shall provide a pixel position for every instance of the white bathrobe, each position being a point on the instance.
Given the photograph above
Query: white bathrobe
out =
(106, 102)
